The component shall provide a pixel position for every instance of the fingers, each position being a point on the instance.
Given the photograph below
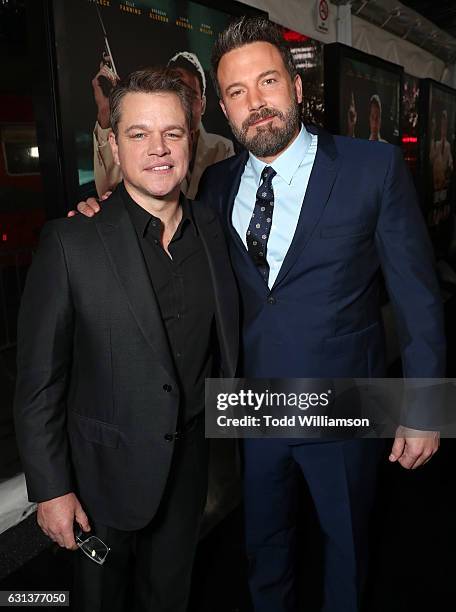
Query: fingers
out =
(89, 208)
(409, 459)
(71, 213)
(397, 449)
(418, 451)
(82, 519)
(68, 540)
(84, 209)
(56, 519)
(107, 73)
(93, 204)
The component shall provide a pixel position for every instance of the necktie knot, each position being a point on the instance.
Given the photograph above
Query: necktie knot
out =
(268, 174)
(265, 189)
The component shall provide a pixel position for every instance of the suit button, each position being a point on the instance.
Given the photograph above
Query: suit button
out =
(167, 388)
(169, 437)
(271, 299)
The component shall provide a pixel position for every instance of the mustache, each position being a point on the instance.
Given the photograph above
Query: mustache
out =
(264, 113)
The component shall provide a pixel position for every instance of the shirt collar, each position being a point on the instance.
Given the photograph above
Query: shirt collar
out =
(145, 222)
(288, 162)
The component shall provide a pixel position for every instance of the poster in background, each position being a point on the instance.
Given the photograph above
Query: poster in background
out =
(370, 99)
(439, 163)
(140, 34)
(362, 94)
(410, 124)
(308, 57)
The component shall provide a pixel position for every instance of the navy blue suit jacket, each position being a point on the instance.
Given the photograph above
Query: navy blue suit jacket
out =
(322, 317)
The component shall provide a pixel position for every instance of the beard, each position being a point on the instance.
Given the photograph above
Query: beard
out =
(269, 140)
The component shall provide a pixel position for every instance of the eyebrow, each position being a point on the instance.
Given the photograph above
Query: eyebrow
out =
(142, 126)
(260, 76)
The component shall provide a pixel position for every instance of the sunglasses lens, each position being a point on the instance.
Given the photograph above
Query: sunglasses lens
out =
(95, 549)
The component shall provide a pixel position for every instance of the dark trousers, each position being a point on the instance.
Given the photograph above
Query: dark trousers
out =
(341, 477)
(150, 569)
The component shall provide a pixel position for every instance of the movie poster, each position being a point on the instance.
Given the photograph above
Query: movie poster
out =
(440, 162)
(100, 42)
(410, 124)
(308, 57)
(370, 101)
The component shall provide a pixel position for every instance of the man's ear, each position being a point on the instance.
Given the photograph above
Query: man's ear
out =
(222, 106)
(203, 105)
(114, 147)
(298, 88)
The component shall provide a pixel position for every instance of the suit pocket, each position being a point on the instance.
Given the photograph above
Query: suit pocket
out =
(93, 430)
(357, 340)
(342, 231)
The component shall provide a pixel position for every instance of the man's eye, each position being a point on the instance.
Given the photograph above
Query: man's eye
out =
(138, 135)
(235, 93)
(172, 135)
(269, 81)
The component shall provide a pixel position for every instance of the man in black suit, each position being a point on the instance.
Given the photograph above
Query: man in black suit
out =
(112, 360)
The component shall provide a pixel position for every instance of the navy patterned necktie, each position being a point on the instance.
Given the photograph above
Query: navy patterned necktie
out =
(261, 221)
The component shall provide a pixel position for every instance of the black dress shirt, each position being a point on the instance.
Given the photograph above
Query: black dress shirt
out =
(185, 296)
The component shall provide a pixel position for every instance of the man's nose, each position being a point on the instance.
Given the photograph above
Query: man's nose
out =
(157, 145)
(255, 99)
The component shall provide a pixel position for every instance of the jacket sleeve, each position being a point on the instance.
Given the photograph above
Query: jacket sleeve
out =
(408, 265)
(44, 353)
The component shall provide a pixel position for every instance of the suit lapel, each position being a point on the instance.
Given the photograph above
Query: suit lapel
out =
(235, 174)
(118, 236)
(322, 177)
(225, 292)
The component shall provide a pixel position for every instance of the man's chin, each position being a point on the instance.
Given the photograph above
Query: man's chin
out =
(164, 188)
(158, 191)
(163, 194)
(265, 148)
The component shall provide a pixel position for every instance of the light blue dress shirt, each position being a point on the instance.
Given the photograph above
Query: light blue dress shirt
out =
(293, 168)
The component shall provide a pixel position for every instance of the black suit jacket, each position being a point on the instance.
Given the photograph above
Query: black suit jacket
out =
(97, 395)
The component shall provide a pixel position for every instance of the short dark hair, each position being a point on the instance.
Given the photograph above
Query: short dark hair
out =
(246, 30)
(150, 80)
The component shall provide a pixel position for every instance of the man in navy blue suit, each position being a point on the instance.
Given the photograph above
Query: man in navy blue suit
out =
(311, 220)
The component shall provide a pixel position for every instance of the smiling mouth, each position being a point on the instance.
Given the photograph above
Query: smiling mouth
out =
(163, 168)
